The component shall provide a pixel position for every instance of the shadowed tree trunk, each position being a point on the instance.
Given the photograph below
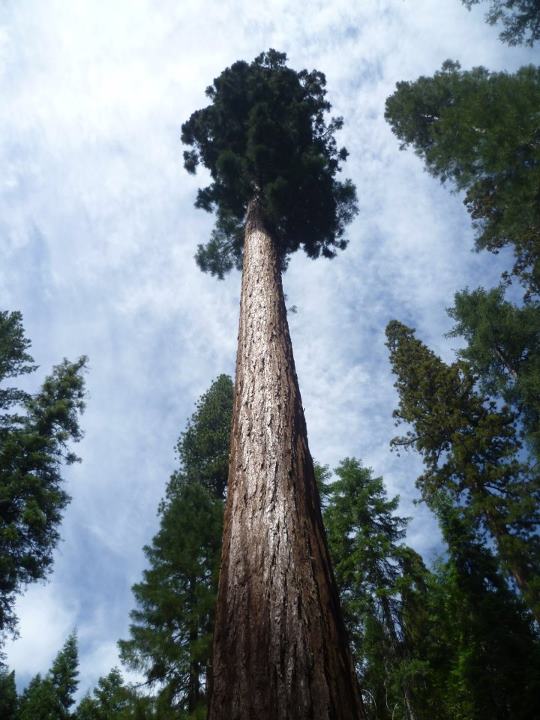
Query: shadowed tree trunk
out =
(280, 647)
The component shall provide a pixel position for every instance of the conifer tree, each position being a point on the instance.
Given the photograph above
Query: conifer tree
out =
(471, 454)
(382, 584)
(172, 625)
(52, 697)
(8, 694)
(480, 646)
(35, 432)
(503, 351)
(38, 701)
(280, 648)
(112, 700)
(479, 130)
(520, 19)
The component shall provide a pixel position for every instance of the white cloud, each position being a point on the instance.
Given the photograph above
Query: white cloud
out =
(46, 622)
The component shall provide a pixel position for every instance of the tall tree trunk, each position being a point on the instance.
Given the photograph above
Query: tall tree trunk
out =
(280, 646)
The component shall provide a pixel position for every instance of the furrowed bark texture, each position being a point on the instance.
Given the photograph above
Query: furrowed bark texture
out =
(280, 647)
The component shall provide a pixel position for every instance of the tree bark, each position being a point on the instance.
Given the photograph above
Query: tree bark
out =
(280, 646)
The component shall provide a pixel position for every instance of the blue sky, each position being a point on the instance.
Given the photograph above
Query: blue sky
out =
(99, 231)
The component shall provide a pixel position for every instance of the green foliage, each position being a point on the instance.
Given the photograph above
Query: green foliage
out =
(382, 589)
(38, 701)
(480, 131)
(503, 350)
(520, 19)
(265, 135)
(52, 697)
(8, 695)
(479, 644)
(203, 448)
(171, 632)
(172, 625)
(112, 700)
(63, 676)
(471, 454)
(35, 432)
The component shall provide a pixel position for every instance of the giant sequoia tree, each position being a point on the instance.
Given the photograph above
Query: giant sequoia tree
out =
(280, 647)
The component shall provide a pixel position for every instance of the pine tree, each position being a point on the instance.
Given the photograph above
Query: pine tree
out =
(520, 19)
(38, 701)
(52, 697)
(280, 648)
(112, 700)
(503, 350)
(203, 449)
(382, 585)
(479, 130)
(471, 454)
(172, 624)
(35, 431)
(63, 676)
(8, 694)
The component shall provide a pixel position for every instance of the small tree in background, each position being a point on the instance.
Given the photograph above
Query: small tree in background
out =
(113, 700)
(383, 588)
(280, 647)
(52, 697)
(171, 629)
(8, 695)
(35, 432)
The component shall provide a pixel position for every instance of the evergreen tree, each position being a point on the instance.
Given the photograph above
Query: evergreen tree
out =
(471, 454)
(38, 701)
(112, 700)
(35, 431)
(480, 647)
(203, 449)
(63, 676)
(8, 695)
(273, 160)
(503, 350)
(520, 19)
(479, 130)
(172, 624)
(52, 697)
(382, 585)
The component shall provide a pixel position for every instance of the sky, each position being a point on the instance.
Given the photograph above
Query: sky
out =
(98, 233)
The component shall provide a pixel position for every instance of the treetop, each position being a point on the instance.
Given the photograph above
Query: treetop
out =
(266, 136)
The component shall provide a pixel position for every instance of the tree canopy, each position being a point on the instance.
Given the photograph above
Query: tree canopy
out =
(479, 130)
(265, 135)
(520, 19)
(35, 432)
